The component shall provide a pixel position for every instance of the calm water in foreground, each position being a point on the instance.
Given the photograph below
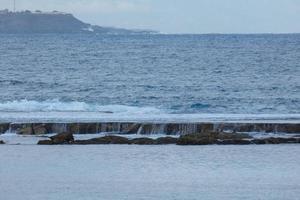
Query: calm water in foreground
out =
(149, 172)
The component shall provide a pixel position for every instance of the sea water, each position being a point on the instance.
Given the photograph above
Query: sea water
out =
(123, 172)
(149, 75)
(150, 78)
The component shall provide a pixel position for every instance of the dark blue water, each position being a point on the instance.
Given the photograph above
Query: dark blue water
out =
(243, 74)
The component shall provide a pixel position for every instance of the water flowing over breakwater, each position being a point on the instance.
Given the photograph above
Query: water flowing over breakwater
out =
(146, 128)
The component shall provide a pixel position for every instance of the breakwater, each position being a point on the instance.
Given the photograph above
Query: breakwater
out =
(147, 128)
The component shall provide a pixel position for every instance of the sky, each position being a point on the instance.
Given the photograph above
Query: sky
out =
(179, 16)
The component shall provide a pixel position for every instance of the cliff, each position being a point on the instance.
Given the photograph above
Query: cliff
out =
(54, 22)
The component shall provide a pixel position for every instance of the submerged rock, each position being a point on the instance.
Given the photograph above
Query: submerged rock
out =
(26, 129)
(123, 140)
(207, 138)
(196, 139)
(39, 129)
(233, 136)
(31, 129)
(166, 140)
(45, 142)
(104, 140)
(3, 128)
(273, 140)
(142, 141)
(132, 129)
(234, 142)
(62, 138)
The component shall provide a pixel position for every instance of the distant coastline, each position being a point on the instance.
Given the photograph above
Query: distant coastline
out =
(54, 22)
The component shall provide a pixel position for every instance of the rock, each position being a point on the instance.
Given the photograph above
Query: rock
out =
(26, 130)
(107, 112)
(258, 141)
(123, 140)
(62, 138)
(58, 128)
(234, 142)
(132, 129)
(172, 129)
(233, 136)
(89, 128)
(83, 128)
(142, 141)
(207, 138)
(31, 129)
(289, 128)
(104, 140)
(45, 142)
(4, 128)
(146, 129)
(181, 128)
(166, 140)
(72, 128)
(247, 127)
(197, 139)
(273, 140)
(39, 129)
(1, 142)
(207, 128)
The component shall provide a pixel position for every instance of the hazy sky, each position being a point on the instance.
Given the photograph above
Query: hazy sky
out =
(179, 16)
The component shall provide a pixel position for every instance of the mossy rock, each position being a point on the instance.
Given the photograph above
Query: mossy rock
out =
(233, 136)
(45, 142)
(207, 138)
(39, 129)
(26, 129)
(234, 142)
(123, 140)
(273, 140)
(166, 140)
(3, 128)
(104, 140)
(197, 139)
(62, 138)
(143, 141)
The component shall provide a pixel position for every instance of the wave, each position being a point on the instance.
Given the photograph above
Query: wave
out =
(200, 106)
(75, 106)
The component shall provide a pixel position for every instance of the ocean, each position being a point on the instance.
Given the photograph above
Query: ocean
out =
(150, 75)
(166, 172)
(160, 83)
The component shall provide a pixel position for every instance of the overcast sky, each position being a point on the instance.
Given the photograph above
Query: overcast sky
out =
(179, 16)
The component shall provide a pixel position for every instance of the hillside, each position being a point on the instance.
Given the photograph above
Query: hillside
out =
(54, 22)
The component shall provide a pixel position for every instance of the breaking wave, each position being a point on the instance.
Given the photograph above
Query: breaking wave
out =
(75, 106)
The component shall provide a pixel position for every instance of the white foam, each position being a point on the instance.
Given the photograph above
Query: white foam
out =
(14, 139)
(75, 106)
(57, 111)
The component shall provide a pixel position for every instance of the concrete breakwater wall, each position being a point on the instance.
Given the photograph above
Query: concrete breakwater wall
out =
(146, 128)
